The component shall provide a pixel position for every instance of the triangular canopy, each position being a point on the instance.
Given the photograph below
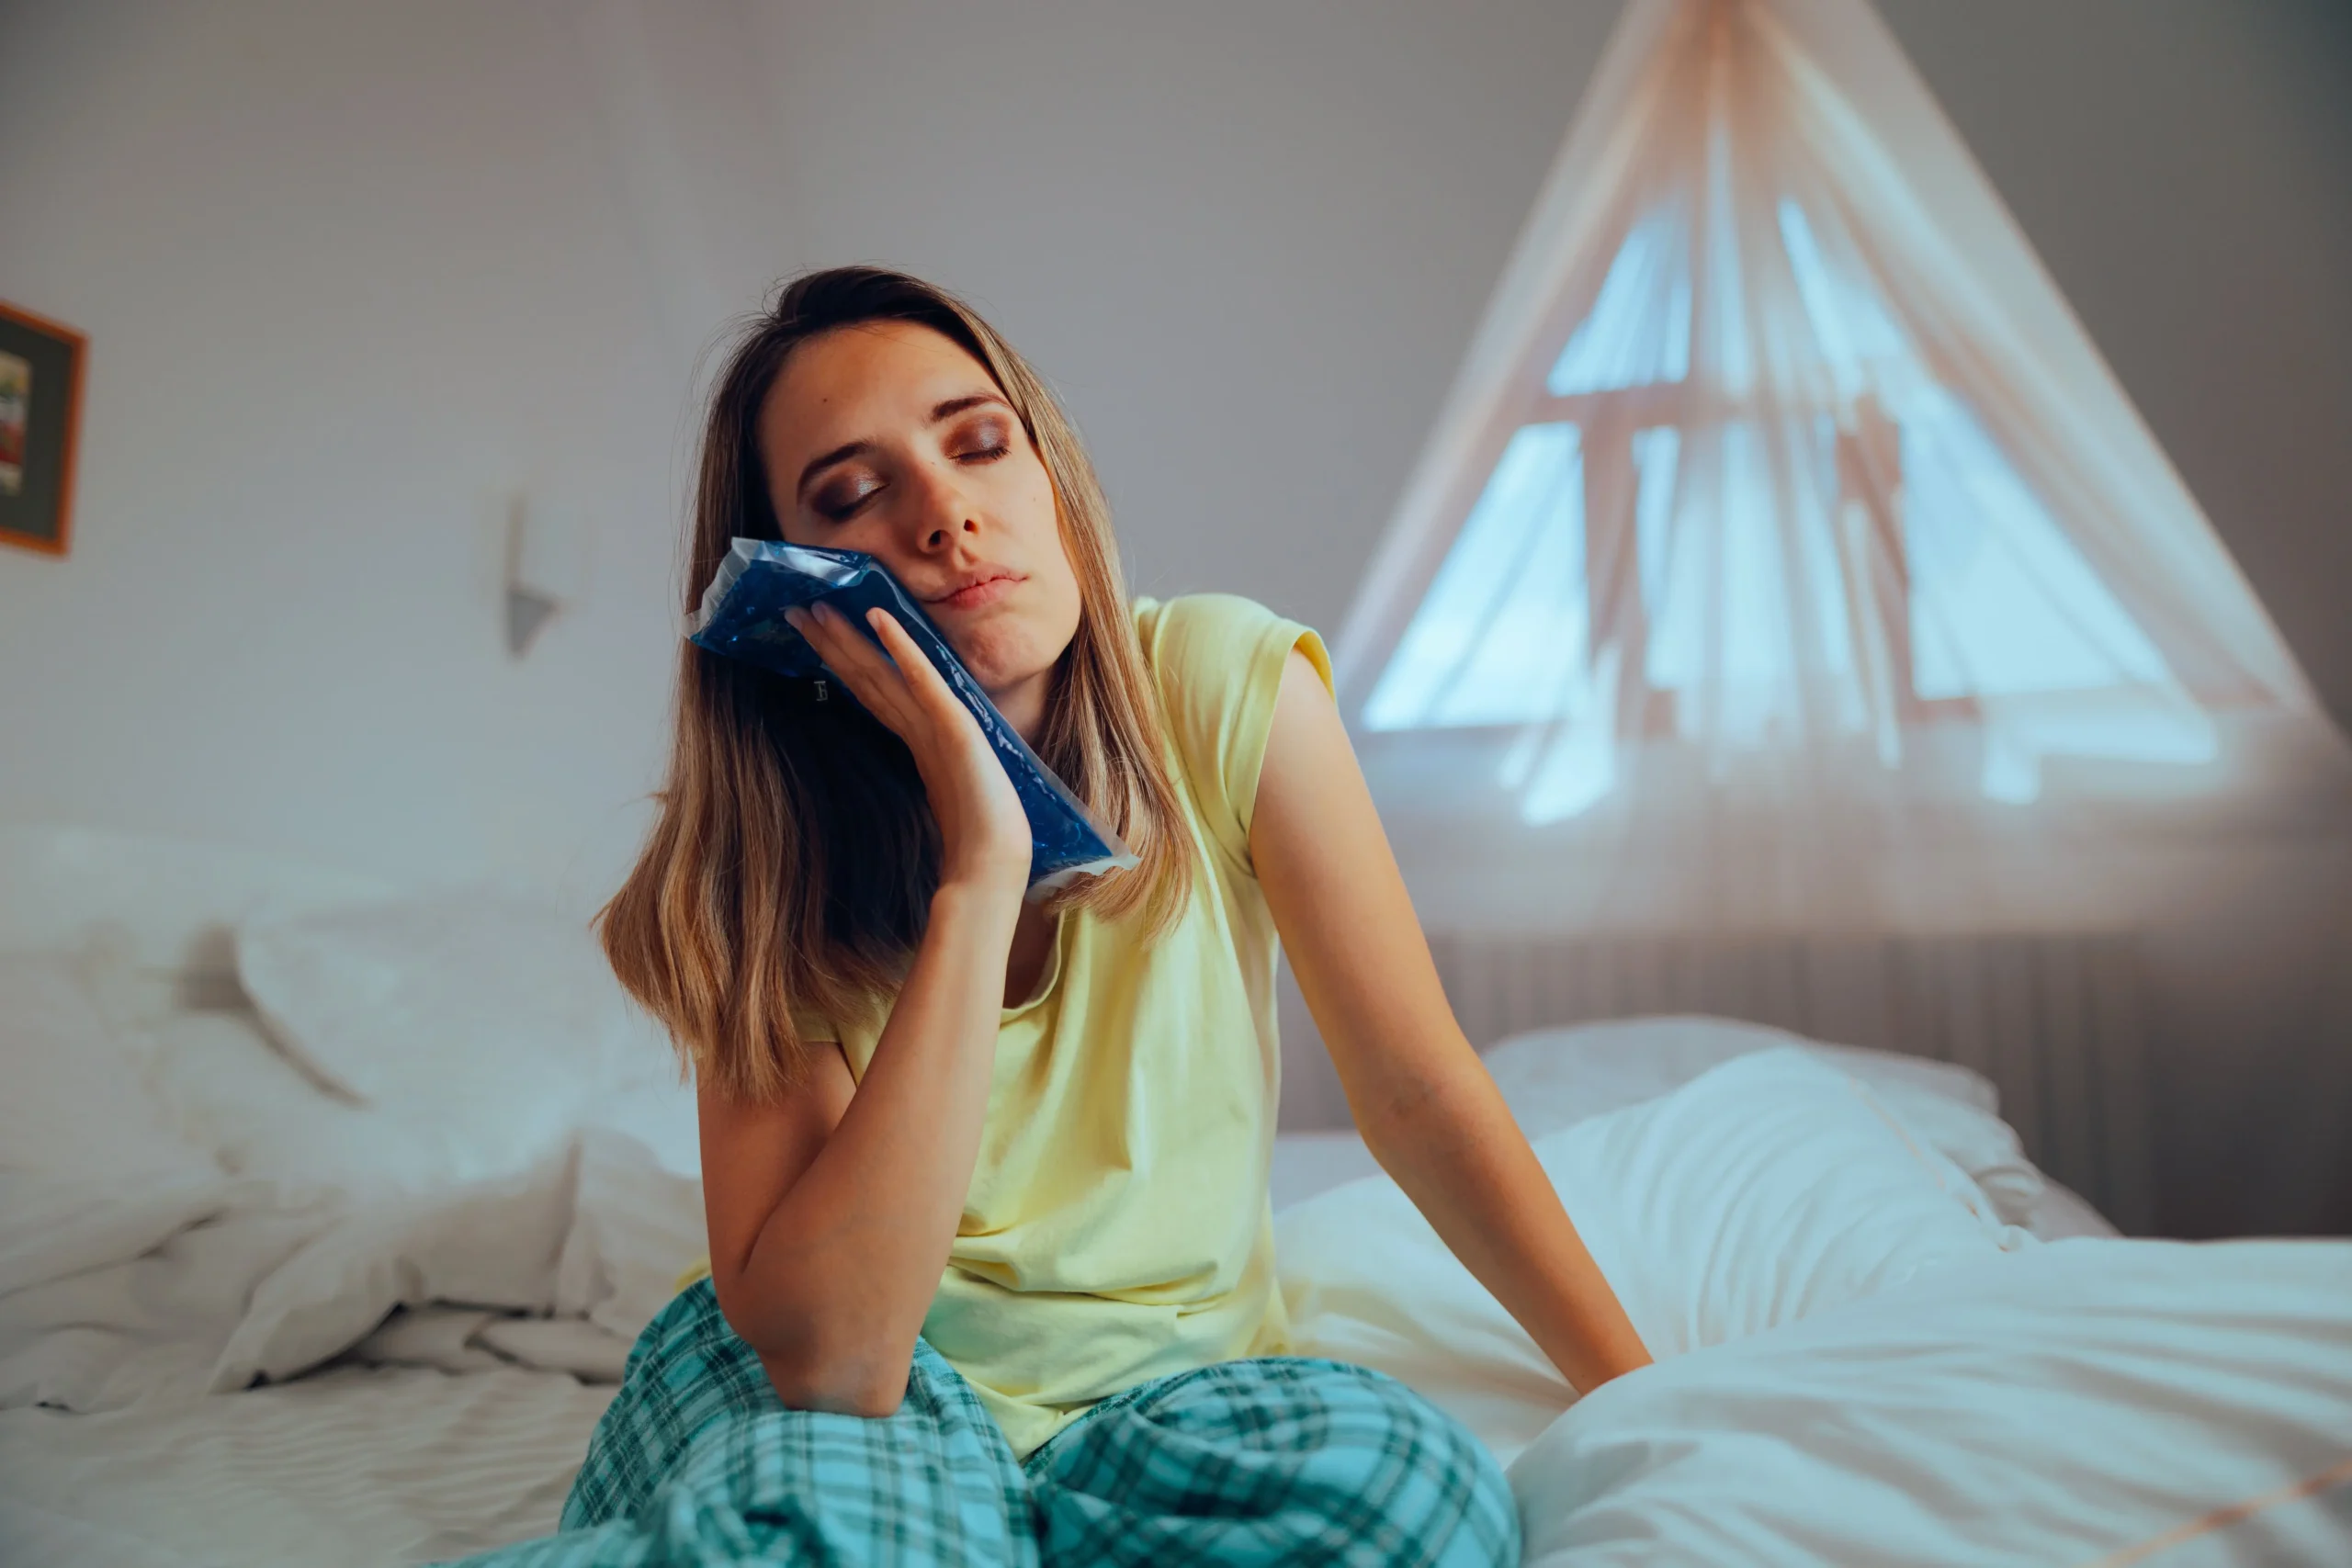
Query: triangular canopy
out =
(1782, 498)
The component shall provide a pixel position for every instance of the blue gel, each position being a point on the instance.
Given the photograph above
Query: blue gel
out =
(742, 618)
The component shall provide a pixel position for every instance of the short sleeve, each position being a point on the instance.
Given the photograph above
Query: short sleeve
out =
(1218, 661)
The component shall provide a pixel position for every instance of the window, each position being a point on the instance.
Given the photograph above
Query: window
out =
(1807, 531)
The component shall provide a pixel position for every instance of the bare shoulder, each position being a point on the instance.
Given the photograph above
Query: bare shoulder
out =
(1307, 745)
(1302, 690)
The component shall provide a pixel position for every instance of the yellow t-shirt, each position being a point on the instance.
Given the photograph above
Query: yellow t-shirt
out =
(1118, 1227)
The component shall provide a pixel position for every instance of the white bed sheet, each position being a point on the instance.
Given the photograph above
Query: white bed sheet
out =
(361, 1466)
(370, 1458)
(2090, 1402)
(407, 1464)
(352, 1464)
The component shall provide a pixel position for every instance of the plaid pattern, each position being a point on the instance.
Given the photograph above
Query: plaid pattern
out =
(1278, 1460)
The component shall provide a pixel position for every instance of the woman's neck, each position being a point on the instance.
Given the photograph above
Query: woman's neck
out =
(1024, 704)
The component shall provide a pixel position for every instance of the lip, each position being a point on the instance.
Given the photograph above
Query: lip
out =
(981, 587)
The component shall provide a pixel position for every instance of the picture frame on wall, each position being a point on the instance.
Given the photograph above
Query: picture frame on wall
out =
(41, 419)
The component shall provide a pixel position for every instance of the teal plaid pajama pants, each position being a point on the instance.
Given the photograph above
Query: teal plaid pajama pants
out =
(1278, 1460)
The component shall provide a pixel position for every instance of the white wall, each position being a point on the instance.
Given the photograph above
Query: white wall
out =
(353, 277)
(354, 274)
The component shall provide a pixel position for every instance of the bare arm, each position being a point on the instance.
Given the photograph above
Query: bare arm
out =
(831, 1214)
(1425, 1106)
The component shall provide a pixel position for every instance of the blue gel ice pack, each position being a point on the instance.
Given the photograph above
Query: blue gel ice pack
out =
(742, 618)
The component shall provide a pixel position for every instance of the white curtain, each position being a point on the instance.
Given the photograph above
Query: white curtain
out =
(1787, 559)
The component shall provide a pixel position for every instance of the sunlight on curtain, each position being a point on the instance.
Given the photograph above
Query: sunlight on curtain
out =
(1999, 603)
(1785, 552)
(1501, 638)
(1639, 331)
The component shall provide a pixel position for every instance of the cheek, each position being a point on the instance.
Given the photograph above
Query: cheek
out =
(1060, 604)
(1053, 578)
(1060, 576)
(1013, 649)
(1017, 647)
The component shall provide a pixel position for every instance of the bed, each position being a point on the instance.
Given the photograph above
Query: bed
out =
(303, 1261)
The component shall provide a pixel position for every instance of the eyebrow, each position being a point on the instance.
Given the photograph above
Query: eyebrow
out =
(849, 449)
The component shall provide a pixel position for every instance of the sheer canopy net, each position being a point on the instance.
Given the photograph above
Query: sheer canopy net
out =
(1786, 556)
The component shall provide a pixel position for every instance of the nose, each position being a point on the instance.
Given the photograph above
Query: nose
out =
(942, 513)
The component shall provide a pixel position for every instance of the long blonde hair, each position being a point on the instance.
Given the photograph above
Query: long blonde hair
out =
(791, 867)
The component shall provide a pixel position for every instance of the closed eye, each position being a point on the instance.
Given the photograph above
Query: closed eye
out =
(842, 507)
(980, 440)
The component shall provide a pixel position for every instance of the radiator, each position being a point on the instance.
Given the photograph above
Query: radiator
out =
(2056, 1021)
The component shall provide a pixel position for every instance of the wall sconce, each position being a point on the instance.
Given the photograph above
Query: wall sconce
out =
(545, 569)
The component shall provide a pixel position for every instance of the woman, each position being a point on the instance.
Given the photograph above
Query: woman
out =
(991, 1271)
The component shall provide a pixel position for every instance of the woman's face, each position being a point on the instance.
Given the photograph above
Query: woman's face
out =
(887, 437)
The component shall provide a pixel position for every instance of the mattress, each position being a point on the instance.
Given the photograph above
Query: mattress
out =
(383, 1463)
(354, 1465)
(357, 1465)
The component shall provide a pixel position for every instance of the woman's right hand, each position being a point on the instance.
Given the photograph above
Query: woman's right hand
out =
(983, 832)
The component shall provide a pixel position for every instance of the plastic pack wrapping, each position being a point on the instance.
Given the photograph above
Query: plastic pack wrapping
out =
(742, 618)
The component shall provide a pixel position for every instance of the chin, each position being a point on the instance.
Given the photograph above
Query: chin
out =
(1004, 651)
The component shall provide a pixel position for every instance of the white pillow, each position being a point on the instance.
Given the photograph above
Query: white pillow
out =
(76, 1107)
(489, 1244)
(53, 1228)
(1554, 1078)
(597, 1230)
(1761, 1191)
(228, 1090)
(233, 1093)
(637, 1224)
(471, 1015)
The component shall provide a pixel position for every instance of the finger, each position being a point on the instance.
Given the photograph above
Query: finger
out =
(877, 664)
(925, 681)
(871, 678)
(848, 654)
